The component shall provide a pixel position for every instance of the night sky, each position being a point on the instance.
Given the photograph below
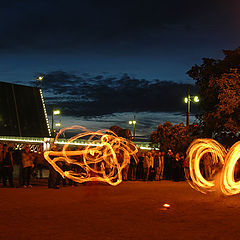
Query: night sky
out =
(100, 42)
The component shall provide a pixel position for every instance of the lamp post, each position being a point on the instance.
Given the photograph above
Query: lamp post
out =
(39, 81)
(58, 124)
(54, 112)
(188, 101)
(133, 122)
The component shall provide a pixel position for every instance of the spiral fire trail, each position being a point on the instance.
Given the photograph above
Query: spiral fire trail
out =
(197, 151)
(102, 160)
(228, 184)
(229, 161)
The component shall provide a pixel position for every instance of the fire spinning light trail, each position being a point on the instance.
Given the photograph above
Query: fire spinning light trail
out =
(102, 161)
(225, 162)
(199, 149)
(228, 184)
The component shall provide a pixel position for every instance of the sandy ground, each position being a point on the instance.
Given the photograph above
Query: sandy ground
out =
(132, 210)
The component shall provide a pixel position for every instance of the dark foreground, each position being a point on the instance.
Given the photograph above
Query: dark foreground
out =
(133, 210)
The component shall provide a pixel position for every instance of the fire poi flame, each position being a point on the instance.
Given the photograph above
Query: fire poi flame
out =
(224, 162)
(102, 160)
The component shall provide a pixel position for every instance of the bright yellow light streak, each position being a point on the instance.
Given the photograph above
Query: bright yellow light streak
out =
(102, 162)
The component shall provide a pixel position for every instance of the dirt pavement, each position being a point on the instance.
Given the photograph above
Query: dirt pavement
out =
(132, 210)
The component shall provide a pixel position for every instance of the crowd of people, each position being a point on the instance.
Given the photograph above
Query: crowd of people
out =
(156, 166)
(147, 166)
(27, 161)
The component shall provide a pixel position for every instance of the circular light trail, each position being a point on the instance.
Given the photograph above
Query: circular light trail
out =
(225, 161)
(228, 184)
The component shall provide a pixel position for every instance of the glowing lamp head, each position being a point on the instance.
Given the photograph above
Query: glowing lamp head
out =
(134, 122)
(40, 78)
(196, 99)
(56, 112)
(58, 124)
(130, 122)
(186, 100)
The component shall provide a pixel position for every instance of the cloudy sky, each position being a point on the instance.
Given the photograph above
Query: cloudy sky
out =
(99, 42)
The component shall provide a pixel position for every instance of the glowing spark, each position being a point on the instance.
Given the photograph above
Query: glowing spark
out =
(102, 161)
(166, 205)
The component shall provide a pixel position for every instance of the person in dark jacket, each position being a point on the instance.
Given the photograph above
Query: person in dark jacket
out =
(54, 177)
(1, 161)
(7, 166)
(168, 169)
(27, 164)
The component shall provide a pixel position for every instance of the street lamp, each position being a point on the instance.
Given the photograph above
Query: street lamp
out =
(188, 101)
(54, 112)
(133, 122)
(39, 81)
(58, 124)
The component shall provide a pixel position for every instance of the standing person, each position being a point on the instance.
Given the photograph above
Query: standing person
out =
(157, 165)
(186, 169)
(207, 164)
(182, 174)
(145, 167)
(39, 162)
(27, 164)
(54, 177)
(7, 166)
(132, 169)
(1, 161)
(176, 167)
(151, 165)
(162, 163)
(169, 164)
(140, 166)
(126, 168)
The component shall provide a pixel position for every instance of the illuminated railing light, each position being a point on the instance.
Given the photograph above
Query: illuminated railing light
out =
(20, 140)
(45, 112)
(79, 144)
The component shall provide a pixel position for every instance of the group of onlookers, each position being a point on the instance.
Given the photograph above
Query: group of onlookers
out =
(155, 166)
(147, 166)
(26, 160)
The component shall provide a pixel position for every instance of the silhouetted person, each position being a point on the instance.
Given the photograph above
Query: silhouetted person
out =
(1, 161)
(27, 164)
(132, 169)
(7, 165)
(54, 177)
(168, 169)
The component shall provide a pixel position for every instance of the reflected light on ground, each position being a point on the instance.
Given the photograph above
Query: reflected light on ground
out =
(166, 205)
(102, 161)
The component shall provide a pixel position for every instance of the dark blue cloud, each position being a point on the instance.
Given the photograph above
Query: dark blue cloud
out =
(95, 95)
